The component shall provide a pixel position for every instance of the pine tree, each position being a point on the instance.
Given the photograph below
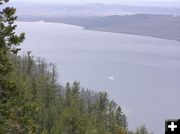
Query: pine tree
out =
(15, 111)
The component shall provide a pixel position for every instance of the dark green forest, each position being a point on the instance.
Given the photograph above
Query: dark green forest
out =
(32, 101)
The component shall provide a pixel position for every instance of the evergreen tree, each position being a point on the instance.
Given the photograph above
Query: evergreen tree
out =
(13, 108)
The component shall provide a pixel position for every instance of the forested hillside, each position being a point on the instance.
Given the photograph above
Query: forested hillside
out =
(39, 105)
(32, 102)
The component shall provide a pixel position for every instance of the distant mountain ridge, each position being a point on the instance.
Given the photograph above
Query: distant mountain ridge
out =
(162, 22)
(161, 26)
(96, 9)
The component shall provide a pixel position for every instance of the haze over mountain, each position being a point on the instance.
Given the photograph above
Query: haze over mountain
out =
(93, 9)
(163, 22)
(158, 3)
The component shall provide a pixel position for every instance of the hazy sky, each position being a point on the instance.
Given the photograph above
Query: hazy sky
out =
(127, 2)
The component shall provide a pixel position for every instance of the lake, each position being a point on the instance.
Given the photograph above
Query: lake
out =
(142, 74)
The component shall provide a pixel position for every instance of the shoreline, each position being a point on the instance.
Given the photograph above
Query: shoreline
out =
(128, 33)
(103, 30)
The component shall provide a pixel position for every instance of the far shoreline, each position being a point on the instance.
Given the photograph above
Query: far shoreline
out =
(101, 30)
(132, 34)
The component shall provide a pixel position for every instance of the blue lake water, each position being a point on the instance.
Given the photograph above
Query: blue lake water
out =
(142, 74)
